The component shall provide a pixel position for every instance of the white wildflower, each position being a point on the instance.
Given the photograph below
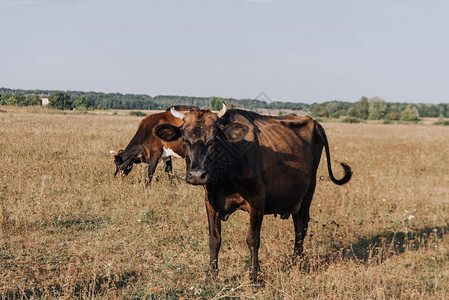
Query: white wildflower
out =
(198, 291)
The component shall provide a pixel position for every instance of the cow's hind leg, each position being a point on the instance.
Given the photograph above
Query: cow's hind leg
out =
(214, 237)
(253, 240)
(301, 221)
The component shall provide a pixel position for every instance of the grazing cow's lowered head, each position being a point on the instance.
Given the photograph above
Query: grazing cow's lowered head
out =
(123, 163)
(204, 140)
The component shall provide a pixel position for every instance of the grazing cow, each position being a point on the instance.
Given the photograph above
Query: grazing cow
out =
(146, 147)
(259, 164)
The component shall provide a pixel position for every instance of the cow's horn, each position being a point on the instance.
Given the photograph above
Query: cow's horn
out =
(176, 114)
(222, 110)
(113, 152)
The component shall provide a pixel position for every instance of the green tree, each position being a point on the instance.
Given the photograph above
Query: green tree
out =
(377, 108)
(60, 100)
(83, 103)
(4, 99)
(362, 108)
(409, 115)
(16, 99)
(336, 115)
(319, 111)
(33, 99)
(215, 103)
(352, 112)
(393, 116)
(394, 107)
(332, 106)
(415, 110)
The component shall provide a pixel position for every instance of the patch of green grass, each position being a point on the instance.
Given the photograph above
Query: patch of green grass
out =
(81, 223)
(442, 122)
(150, 217)
(137, 114)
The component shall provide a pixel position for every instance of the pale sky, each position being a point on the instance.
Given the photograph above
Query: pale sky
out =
(300, 51)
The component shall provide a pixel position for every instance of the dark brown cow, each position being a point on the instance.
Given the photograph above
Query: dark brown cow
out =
(259, 164)
(146, 147)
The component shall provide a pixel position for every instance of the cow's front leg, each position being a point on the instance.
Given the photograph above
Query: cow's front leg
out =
(152, 163)
(253, 240)
(214, 237)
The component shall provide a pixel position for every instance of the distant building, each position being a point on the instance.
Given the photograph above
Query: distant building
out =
(45, 101)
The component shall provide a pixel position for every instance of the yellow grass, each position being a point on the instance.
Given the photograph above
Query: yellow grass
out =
(70, 230)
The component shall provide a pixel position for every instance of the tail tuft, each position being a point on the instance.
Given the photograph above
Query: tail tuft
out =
(348, 174)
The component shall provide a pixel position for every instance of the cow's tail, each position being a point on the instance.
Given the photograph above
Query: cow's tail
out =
(347, 169)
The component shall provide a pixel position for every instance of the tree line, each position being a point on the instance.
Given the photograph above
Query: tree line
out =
(374, 108)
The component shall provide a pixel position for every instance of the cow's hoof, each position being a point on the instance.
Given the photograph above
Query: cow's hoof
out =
(256, 280)
(253, 276)
(297, 259)
(211, 275)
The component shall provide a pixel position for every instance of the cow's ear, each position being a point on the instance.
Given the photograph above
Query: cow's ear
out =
(167, 132)
(235, 132)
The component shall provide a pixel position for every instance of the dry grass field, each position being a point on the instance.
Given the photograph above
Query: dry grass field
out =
(70, 230)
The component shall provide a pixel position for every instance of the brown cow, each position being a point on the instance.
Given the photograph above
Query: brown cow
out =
(146, 147)
(259, 164)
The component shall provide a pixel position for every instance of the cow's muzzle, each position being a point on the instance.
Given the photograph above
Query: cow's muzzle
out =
(196, 177)
(123, 171)
(116, 171)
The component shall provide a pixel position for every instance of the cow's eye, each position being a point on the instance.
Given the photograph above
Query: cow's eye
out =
(186, 142)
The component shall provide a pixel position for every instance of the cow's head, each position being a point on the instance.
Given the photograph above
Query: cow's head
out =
(122, 166)
(206, 142)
